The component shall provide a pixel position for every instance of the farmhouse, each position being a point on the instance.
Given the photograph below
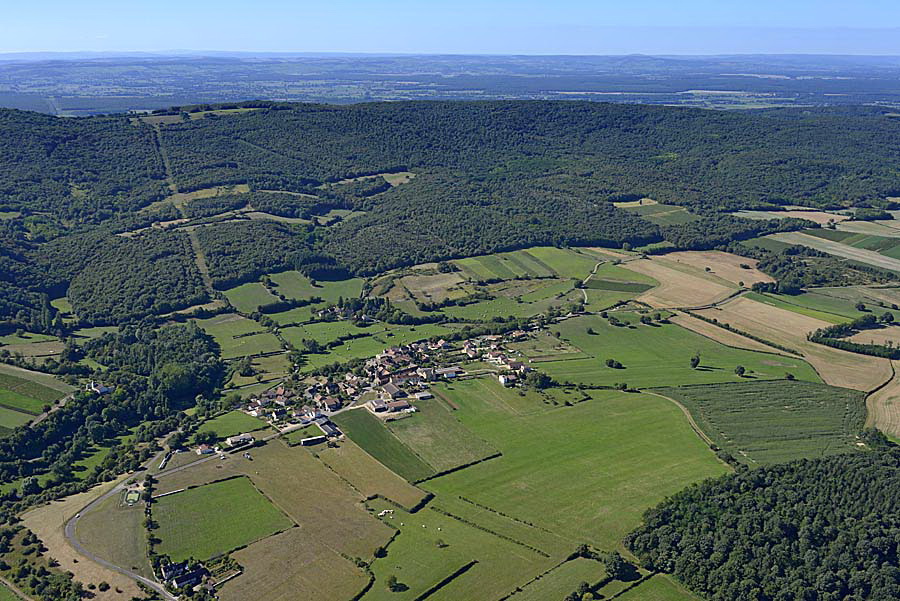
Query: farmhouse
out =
(327, 428)
(423, 395)
(392, 391)
(97, 388)
(205, 449)
(448, 372)
(507, 380)
(240, 439)
(192, 578)
(173, 570)
(378, 405)
(400, 405)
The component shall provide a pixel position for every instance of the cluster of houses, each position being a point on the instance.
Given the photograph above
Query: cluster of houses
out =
(490, 350)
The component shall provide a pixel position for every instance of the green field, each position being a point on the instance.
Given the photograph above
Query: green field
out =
(438, 438)
(539, 262)
(885, 245)
(534, 298)
(26, 338)
(215, 518)
(296, 436)
(249, 297)
(662, 214)
(10, 419)
(295, 315)
(562, 580)
(370, 433)
(115, 532)
(771, 422)
(659, 355)
(232, 423)
(238, 336)
(8, 595)
(293, 284)
(43, 392)
(660, 587)
(585, 473)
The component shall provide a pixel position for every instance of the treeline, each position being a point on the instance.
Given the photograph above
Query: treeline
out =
(823, 529)
(833, 336)
(77, 169)
(242, 251)
(714, 231)
(154, 372)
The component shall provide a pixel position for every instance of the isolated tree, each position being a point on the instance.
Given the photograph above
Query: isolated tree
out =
(739, 370)
(695, 361)
(888, 317)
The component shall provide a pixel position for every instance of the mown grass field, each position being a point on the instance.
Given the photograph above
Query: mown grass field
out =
(371, 434)
(249, 297)
(8, 595)
(660, 587)
(295, 285)
(539, 262)
(659, 355)
(522, 301)
(231, 424)
(238, 336)
(116, 533)
(431, 546)
(585, 473)
(210, 520)
(662, 214)
(797, 305)
(438, 438)
(771, 422)
(563, 580)
(367, 475)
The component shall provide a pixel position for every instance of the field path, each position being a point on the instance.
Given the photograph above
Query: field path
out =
(862, 255)
(202, 265)
(587, 279)
(15, 590)
(884, 405)
(164, 154)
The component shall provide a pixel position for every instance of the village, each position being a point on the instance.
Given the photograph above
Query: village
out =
(388, 385)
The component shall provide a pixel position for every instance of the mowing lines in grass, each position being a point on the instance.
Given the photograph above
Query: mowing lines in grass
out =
(370, 433)
(771, 422)
(215, 518)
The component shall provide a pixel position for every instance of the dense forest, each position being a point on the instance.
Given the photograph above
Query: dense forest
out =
(817, 530)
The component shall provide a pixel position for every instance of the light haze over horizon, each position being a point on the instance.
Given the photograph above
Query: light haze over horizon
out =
(458, 27)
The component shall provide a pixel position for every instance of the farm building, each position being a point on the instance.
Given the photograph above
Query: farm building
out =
(398, 406)
(507, 380)
(378, 405)
(240, 439)
(392, 391)
(424, 395)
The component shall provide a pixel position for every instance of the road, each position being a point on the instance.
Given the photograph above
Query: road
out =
(72, 537)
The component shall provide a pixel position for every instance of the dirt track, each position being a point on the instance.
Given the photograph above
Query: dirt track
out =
(884, 406)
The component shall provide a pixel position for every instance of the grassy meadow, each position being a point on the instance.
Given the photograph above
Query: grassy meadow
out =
(659, 355)
(210, 520)
(231, 424)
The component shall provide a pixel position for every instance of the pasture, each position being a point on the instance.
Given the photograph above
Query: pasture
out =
(728, 266)
(436, 437)
(115, 532)
(215, 518)
(662, 214)
(367, 475)
(584, 473)
(231, 424)
(238, 336)
(370, 433)
(772, 422)
(537, 262)
(659, 587)
(562, 580)
(518, 299)
(659, 355)
(269, 368)
(294, 284)
(249, 297)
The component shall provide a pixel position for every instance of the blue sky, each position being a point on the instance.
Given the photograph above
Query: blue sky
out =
(458, 26)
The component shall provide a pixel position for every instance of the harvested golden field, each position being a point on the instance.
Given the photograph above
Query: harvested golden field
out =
(884, 406)
(890, 334)
(436, 287)
(721, 335)
(48, 522)
(836, 367)
(680, 285)
(819, 217)
(724, 265)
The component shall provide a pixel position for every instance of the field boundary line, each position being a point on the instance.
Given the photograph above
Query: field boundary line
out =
(709, 441)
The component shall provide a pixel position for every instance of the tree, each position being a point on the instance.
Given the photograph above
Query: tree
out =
(616, 566)
(860, 306)
(206, 437)
(695, 361)
(739, 370)
(176, 440)
(888, 317)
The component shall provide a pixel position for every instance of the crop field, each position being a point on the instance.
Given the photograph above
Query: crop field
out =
(25, 395)
(680, 285)
(659, 587)
(836, 367)
(886, 336)
(294, 284)
(721, 335)
(238, 336)
(885, 228)
(585, 473)
(231, 424)
(820, 217)
(771, 422)
(438, 438)
(212, 519)
(249, 297)
(562, 580)
(539, 262)
(885, 245)
(884, 407)
(727, 266)
(839, 249)
(787, 303)
(662, 214)
(659, 355)
(367, 475)
(371, 434)
(843, 301)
